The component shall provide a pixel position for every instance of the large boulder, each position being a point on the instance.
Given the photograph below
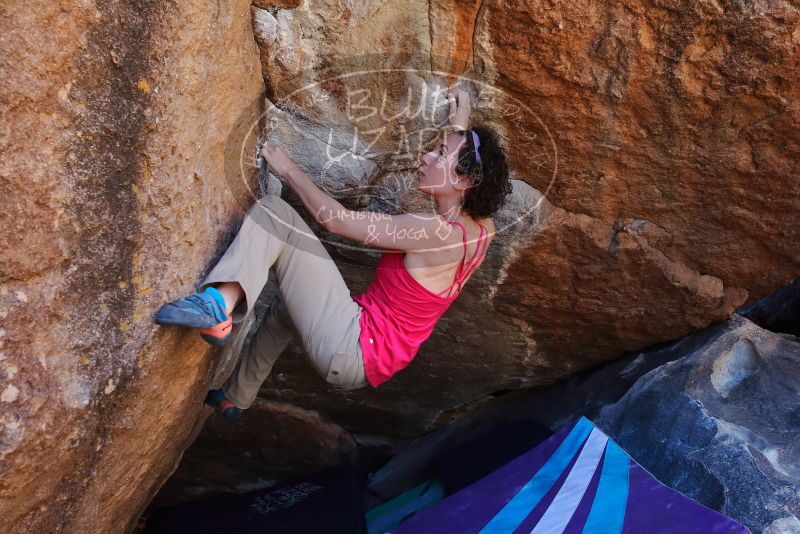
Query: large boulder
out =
(722, 425)
(663, 137)
(118, 120)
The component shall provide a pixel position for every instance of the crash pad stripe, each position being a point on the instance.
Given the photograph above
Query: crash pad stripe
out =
(608, 509)
(569, 496)
(518, 508)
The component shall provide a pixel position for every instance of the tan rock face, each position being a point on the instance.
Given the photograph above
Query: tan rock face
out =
(116, 121)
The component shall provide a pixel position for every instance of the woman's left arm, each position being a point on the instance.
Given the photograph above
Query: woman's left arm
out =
(412, 231)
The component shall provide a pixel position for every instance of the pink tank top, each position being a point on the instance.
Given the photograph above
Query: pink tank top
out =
(399, 313)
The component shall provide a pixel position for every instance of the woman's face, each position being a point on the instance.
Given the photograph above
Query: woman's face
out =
(437, 171)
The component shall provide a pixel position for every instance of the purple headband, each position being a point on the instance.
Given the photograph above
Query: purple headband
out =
(477, 144)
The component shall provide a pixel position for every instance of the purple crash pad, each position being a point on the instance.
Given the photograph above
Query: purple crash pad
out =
(578, 482)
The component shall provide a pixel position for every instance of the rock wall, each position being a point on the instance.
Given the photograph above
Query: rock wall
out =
(677, 136)
(664, 136)
(721, 425)
(119, 121)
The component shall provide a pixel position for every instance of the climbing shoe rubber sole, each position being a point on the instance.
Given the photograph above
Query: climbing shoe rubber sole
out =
(218, 334)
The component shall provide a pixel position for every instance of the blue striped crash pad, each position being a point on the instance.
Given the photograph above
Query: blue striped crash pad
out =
(579, 482)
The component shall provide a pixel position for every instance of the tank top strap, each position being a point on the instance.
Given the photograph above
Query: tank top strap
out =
(461, 262)
(480, 248)
(458, 278)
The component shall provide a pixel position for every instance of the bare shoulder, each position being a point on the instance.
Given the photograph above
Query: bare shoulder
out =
(488, 223)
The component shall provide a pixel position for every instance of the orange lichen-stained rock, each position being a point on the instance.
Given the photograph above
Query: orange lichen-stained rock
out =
(117, 118)
(679, 165)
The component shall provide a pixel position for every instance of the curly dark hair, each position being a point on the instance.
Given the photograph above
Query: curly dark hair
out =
(491, 183)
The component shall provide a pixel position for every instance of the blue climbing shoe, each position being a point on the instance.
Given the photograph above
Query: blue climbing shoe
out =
(204, 310)
(216, 399)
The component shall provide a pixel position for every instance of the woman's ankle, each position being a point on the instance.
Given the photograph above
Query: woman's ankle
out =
(231, 293)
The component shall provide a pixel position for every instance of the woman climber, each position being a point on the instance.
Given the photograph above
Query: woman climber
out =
(364, 339)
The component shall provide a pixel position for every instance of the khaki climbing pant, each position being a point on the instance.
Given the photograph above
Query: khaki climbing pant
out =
(313, 307)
